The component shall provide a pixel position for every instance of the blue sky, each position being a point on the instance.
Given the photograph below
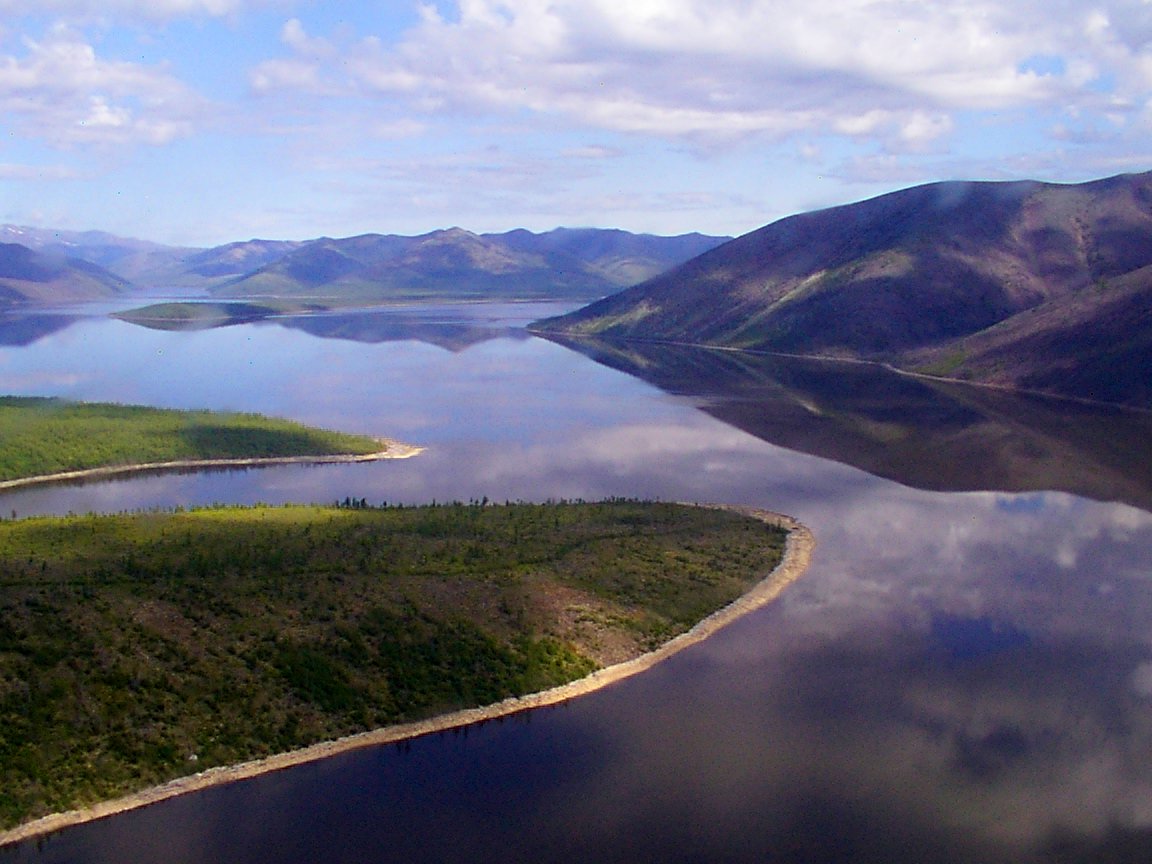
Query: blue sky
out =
(199, 122)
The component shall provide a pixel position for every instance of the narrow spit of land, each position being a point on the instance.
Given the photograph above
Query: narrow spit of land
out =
(53, 440)
(173, 651)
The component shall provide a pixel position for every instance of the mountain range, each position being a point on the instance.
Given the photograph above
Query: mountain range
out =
(42, 277)
(572, 263)
(1027, 285)
(371, 268)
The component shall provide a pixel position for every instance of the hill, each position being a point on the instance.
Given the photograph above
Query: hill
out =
(1023, 284)
(235, 260)
(27, 276)
(137, 261)
(462, 265)
(452, 264)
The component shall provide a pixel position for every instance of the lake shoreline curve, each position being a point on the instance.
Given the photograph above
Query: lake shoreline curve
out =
(798, 548)
(393, 450)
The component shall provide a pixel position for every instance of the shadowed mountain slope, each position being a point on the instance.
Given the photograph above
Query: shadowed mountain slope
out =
(1024, 284)
(27, 276)
(140, 262)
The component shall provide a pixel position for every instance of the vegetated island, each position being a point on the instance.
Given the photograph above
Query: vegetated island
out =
(162, 647)
(205, 315)
(53, 440)
(187, 315)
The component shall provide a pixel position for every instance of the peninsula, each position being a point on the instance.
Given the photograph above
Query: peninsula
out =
(53, 440)
(167, 652)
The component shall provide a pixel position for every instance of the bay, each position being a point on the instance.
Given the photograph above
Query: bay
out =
(964, 674)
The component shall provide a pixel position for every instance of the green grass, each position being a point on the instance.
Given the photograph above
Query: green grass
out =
(138, 647)
(46, 436)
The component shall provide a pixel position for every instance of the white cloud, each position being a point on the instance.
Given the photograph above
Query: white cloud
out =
(14, 171)
(922, 128)
(593, 152)
(61, 91)
(727, 69)
(287, 75)
(306, 71)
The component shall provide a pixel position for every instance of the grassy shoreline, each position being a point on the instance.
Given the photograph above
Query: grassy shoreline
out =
(389, 450)
(43, 437)
(532, 621)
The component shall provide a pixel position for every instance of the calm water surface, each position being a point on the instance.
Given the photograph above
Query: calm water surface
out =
(962, 676)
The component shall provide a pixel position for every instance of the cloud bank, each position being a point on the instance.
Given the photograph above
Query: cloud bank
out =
(731, 69)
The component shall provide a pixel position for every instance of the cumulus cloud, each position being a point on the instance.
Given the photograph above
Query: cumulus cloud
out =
(305, 71)
(61, 91)
(722, 69)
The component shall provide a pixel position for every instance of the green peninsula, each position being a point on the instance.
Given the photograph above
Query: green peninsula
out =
(43, 437)
(137, 648)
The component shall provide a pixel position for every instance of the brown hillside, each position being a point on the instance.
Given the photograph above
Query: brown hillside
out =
(901, 278)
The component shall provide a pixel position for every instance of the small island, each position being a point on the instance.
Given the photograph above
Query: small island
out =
(54, 440)
(150, 654)
(205, 315)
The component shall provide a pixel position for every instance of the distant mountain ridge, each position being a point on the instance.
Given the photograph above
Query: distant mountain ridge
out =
(564, 262)
(234, 260)
(128, 258)
(1023, 284)
(28, 276)
(448, 264)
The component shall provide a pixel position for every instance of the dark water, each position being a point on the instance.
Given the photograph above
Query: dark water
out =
(964, 675)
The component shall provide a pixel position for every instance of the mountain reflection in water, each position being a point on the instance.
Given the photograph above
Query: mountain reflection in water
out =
(920, 432)
(18, 329)
(443, 325)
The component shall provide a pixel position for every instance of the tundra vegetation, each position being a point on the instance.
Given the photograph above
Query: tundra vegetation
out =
(138, 647)
(46, 436)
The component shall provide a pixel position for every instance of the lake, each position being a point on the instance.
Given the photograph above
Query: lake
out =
(963, 675)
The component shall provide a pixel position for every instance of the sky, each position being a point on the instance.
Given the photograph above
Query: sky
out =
(200, 122)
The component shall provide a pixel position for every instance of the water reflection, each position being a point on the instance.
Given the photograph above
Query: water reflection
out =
(961, 677)
(947, 708)
(928, 434)
(452, 326)
(18, 329)
(446, 328)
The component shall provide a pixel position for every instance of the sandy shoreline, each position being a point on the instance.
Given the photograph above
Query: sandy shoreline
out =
(797, 555)
(393, 450)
